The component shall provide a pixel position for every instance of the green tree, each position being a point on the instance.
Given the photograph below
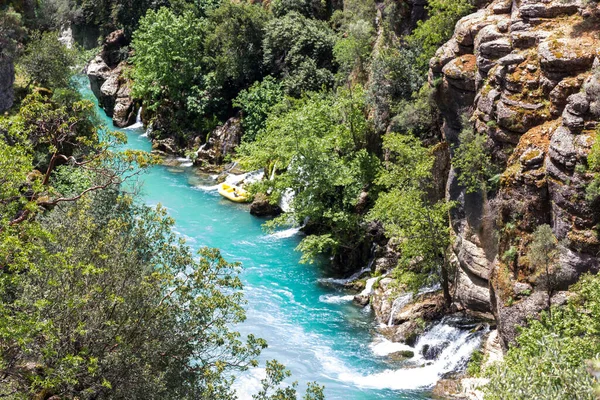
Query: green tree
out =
(418, 115)
(61, 131)
(11, 32)
(472, 160)
(257, 103)
(107, 302)
(318, 147)
(46, 61)
(309, 8)
(543, 254)
(169, 73)
(352, 52)
(271, 390)
(394, 79)
(407, 213)
(234, 44)
(300, 51)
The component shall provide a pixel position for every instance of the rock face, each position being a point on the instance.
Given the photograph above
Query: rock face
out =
(525, 71)
(108, 82)
(221, 142)
(7, 79)
(262, 207)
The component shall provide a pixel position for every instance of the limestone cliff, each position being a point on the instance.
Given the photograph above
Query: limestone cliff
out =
(527, 72)
(109, 83)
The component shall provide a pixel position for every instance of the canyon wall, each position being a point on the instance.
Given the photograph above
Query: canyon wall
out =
(528, 74)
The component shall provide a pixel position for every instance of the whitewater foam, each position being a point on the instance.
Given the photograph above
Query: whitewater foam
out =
(460, 346)
(335, 298)
(344, 281)
(138, 121)
(284, 234)
(383, 347)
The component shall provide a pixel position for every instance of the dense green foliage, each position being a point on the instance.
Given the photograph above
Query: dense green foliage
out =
(353, 52)
(408, 213)
(472, 160)
(300, 50)
(438, 28)
(234, 45)
(256, 104)
(550, 359)
(11, 32)
(47, 62)
(167, 73)
(317, 146)
(109, 304)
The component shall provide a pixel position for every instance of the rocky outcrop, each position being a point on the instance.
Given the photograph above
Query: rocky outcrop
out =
(221, 142)
(7, 79)
(108, 81)
(525, 71)
(262, 207)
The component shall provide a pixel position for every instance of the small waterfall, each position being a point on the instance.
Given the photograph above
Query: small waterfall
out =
(138, 121)
(285, 203)
(398, 304)
(66, 36)
(369, 286)
(444, 348)
(344, 281)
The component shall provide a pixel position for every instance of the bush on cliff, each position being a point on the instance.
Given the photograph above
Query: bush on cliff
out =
(549, 361)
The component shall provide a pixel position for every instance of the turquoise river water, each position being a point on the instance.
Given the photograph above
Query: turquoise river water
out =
(312, 328)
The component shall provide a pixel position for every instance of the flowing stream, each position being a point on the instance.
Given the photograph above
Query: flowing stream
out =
(311, 327)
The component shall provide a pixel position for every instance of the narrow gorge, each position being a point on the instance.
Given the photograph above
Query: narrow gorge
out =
(341, 199)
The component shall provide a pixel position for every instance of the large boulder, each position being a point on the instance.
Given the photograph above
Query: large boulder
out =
(109, 83)
(262, 207)
(221, 142)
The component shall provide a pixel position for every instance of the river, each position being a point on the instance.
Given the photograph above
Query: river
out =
(313, 329)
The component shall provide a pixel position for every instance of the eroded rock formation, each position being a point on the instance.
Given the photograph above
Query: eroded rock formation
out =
(221, 142)
(527, 73)
(108, 81)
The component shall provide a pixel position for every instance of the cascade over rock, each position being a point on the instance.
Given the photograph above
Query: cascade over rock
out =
(525, 70)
